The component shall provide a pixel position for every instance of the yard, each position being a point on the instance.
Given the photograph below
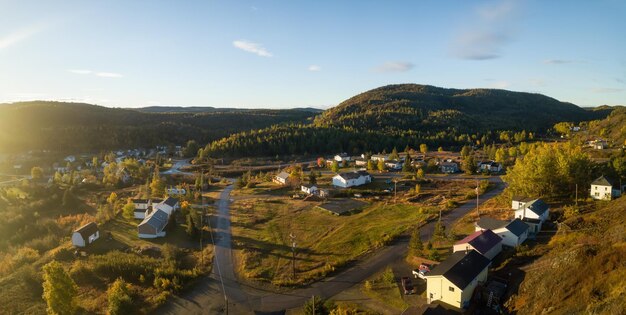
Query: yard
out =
(262, 229)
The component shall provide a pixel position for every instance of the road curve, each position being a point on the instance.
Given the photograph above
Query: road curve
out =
(249, 300)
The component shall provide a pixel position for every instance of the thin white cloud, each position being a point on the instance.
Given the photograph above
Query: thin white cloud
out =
(496, 12)
(315, 68)
(395, 66)
(491, 30)
(607, 90)
(79, 71)
(251, 47)
(109, 75)
(17, 36)
(557, 61)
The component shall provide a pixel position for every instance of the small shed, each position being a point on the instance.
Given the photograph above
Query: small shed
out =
(85, 235)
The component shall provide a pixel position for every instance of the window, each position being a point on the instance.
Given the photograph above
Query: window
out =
(597, 194)
(451, 289)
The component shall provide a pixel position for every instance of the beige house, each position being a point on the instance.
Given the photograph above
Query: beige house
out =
(453, 281)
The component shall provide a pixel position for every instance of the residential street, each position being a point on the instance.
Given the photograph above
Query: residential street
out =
(208, 294)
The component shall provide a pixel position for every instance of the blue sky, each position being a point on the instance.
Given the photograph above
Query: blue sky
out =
(278, 54)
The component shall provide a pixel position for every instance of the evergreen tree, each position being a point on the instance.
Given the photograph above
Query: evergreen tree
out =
(394, 154)
(59, 290)
(415, 244)
(469, 165)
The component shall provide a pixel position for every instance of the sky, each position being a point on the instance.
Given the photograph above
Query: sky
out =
(284, 54)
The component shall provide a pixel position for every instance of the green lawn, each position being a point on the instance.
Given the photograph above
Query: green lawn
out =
(262, 228)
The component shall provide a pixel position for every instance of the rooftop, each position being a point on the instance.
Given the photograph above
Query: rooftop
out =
(482, 241)
(87, 230)
(461, 268)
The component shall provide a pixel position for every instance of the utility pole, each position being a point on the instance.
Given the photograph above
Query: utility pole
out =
(576, 194)
(477, 192)
(395, 190)
(313, 297)
(201, 219)
(293, 254)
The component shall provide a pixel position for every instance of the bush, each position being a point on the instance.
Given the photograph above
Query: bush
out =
(388, 278)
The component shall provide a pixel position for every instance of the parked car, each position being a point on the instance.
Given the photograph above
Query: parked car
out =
(407, 285)
(422, 271)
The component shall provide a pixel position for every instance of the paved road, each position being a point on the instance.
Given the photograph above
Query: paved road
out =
(247, 299)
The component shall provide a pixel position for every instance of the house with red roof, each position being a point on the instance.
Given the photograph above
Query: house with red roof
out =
(485, 242)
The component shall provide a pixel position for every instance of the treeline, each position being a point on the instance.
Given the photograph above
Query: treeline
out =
(310, 139)
(559, 170)
(85, 127)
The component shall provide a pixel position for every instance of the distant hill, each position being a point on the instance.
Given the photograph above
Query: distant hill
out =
(208, 109)
(420, 107)
(86, 127)
(409, 114)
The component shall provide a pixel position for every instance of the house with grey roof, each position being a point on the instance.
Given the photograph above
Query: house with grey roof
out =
(605, 188)
(281, 178)
(513, 233)
(153, 225)
(534, 213)
(85, 235)
(486, 242)
(453, 281)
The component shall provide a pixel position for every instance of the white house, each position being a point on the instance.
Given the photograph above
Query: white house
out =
(393, 165)
(513, 233)
(282, 178)
(604, 188)
(168, 205)
(310, 189)
(70, 158)
(85, 235)
(449, 167)
(153, 225)
(486, 242)
(351, 179)
(490, 166)
(379, 157)
(453, 281)
(342, 157)
(360, 162)
(141, 206)
(534, 213)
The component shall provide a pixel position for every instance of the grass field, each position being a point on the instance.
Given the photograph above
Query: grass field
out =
(262, 228)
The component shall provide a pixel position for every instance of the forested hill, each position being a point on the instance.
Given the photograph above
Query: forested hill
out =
(409, 114)
(208, 109)
(420, 107)
(86, 127)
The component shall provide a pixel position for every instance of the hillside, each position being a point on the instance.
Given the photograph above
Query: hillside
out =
(421, 107)
(86, 127)
(208, 109)
(408, 114)
(612, 128)
(583, 270)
